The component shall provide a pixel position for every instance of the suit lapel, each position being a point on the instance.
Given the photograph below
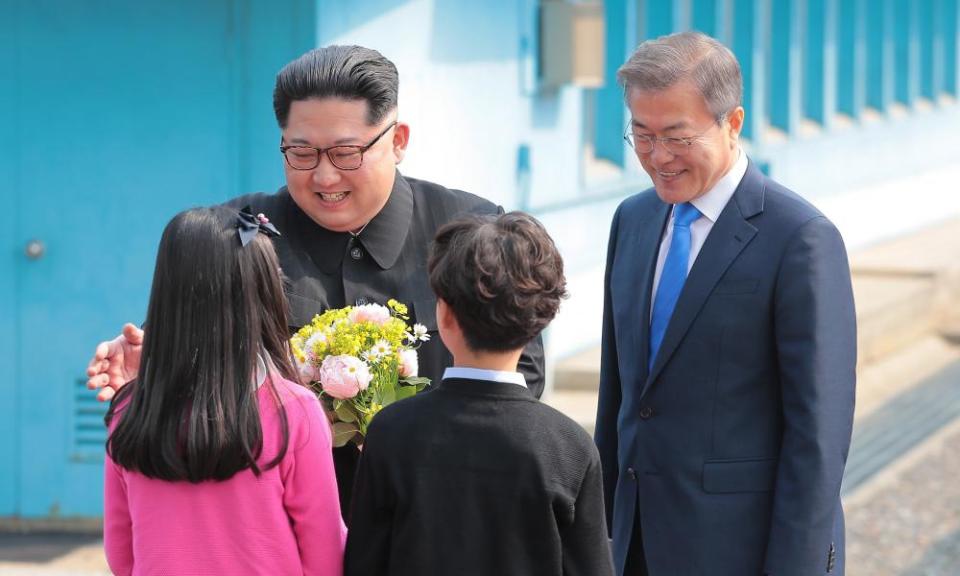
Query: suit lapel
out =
(728, 237)
(644, 242)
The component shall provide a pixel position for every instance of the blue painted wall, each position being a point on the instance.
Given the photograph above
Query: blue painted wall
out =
(10, 256)
(749, 26)
(819, 61)
(950, 22)
(851, 57)
(610, 111)
(783, 93)
(707, 16)
(123, 114)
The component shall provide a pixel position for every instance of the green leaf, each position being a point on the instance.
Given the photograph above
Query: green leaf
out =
(419, 381)
(346, 413)
(343, 432)
(406, 392)
(388, 396)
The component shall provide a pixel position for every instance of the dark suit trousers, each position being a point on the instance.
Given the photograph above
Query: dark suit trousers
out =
(345, 465)
(636, 564)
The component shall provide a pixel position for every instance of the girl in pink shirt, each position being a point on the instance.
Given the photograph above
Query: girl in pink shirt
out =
(218, 463)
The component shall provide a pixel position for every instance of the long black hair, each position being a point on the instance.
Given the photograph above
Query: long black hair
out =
(215, 307)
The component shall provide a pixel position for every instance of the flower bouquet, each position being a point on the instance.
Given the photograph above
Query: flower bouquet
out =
(359, 359)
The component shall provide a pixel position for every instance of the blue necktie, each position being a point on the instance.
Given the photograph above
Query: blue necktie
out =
(673, 276)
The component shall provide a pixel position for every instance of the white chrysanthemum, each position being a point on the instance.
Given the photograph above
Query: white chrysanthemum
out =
(420, 333)
(379, 350)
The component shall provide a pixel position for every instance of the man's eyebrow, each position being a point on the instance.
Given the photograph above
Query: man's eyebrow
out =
(304, 142)
(676, 126)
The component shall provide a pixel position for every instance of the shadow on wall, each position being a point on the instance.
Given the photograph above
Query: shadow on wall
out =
(41, 547)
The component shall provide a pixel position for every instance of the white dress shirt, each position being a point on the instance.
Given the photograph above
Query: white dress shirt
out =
(710, 205)
(480, 374)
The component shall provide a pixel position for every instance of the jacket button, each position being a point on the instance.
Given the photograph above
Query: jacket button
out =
(631, 473)
(646, 412)
(361, 301)
(356, 252)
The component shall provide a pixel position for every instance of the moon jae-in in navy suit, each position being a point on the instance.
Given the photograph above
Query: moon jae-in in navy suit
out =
(727, 455)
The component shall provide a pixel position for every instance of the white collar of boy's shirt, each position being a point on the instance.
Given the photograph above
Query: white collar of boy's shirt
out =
(715, 200)
(481, 374)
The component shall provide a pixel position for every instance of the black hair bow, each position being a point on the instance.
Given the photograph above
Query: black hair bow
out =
(249, 225)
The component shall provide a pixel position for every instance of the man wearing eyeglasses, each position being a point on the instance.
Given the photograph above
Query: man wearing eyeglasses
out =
(354, 230)
(729, 342)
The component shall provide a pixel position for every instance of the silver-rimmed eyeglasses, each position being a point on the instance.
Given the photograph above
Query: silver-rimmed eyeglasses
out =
(645, 143)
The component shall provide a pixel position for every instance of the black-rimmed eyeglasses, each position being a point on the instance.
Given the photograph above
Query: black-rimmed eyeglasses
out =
(301, 157)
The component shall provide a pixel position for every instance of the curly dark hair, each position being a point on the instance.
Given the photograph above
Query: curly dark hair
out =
(502, 276)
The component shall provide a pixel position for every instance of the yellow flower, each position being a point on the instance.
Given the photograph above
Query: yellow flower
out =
(398, 307)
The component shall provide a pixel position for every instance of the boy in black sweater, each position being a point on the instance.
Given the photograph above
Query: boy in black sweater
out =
(477, 476)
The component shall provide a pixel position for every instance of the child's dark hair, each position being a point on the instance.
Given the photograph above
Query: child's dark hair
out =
(502, 277)
(215, 307)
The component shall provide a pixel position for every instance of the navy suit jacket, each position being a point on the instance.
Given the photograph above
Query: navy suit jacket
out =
(732, 447)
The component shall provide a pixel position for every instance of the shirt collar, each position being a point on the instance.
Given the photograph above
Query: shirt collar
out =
(385, 235)
(712, 203)
(481, 374)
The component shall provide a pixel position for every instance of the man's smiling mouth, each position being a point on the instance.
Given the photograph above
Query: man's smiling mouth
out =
(333, 197)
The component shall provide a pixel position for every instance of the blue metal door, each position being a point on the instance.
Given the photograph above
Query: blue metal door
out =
(115, 115)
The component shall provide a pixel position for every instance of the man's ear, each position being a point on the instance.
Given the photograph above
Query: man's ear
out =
(735, 123)
(401, 137)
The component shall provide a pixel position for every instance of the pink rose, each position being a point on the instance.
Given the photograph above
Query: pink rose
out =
(308, 372)
(374, 313)
(408, 363)
(344, 376)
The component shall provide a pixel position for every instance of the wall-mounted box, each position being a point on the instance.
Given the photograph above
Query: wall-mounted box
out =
(571, 43)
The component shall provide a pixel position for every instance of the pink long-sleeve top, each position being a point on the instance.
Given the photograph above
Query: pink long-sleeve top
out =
(287, 521)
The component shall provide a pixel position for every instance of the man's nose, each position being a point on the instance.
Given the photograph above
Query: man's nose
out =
(325, 174)
(660, 155)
